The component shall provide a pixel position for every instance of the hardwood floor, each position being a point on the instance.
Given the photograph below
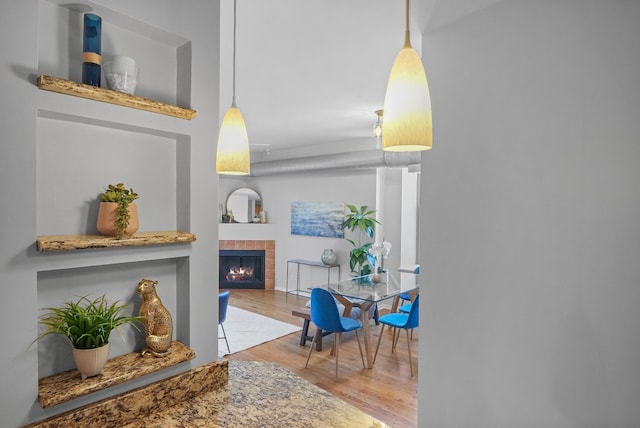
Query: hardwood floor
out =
(386, 392)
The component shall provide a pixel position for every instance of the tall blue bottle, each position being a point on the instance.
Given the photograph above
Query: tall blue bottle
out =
(91, 49)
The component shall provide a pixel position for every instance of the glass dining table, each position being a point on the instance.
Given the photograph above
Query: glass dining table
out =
(365, 291)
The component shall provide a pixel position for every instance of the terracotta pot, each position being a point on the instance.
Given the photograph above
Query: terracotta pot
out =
(107, 215)
(90, 362)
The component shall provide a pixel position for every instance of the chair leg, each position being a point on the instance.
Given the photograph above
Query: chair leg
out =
(410, 358)
(337, 344)
(378, 346)
(315, 336)
(396, 336)
(225, 338)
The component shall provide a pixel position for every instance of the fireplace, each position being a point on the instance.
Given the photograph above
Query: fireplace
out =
(242, 269)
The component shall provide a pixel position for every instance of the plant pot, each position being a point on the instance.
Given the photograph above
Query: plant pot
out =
(107, 215)
(90, 362)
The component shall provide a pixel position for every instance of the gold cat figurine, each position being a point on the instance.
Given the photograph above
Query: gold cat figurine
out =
(157, 320)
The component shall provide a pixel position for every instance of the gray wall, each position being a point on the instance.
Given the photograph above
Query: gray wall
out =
(530, 218)
(55, 154)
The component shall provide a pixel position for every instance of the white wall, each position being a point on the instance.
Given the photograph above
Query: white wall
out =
(530, 215)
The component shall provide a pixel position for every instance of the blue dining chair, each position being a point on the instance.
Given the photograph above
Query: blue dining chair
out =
(400, 321)
(327, 318)
(223, 302)
(405, 308)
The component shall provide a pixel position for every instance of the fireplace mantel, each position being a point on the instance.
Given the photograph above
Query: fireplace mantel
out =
(246, 232)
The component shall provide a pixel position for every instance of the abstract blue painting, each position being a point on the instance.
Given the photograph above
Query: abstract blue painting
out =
(317, 219)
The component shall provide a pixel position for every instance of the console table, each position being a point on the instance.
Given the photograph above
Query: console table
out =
(311, 263)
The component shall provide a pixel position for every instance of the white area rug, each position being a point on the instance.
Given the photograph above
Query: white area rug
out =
(247, 329)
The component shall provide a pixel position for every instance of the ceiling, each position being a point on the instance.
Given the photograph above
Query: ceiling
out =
(310, 75)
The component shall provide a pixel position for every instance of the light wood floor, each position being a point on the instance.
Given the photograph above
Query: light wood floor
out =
(386, 392)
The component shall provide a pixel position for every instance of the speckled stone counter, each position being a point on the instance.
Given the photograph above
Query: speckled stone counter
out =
(262, 395)
(257, 394)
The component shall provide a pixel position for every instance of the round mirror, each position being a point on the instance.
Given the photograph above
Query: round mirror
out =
(245, 204)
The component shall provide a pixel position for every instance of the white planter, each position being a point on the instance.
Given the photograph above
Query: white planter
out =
(90, 362)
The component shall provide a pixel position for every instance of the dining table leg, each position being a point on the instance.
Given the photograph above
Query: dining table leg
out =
(364, 318)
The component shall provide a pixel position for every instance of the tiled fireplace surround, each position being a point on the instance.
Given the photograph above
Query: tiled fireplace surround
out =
(269, 247)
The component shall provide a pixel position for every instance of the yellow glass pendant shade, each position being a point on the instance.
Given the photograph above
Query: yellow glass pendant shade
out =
(233, 145)
(407, 105)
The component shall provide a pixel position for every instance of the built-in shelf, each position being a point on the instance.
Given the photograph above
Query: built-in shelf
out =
(83, 242)
(68, 87)
(65, 386)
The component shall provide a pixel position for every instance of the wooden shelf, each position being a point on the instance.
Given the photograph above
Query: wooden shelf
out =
(62, 86)
(65, 386)
(81, 242)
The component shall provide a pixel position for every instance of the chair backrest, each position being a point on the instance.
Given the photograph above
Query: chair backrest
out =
(223, 302)
(324, 311)
(412, 320)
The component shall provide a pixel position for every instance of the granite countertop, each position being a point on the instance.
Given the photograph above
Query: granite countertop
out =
(220, 394)
(261, 394)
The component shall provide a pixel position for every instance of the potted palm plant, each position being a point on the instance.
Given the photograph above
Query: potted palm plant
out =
(118, 214)
(363, 221)
(87, 323)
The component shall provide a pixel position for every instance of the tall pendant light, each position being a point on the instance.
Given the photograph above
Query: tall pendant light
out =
(407, 104)
(232, 156)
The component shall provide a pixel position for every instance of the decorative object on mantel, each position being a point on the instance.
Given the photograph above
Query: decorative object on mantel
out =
(233, 155)
(157, 320)
(245, 203)
(91, 49)
(361, 220)
(227, 217)
(118, 214)
(407, 103)
(328, 257)
(87, 324)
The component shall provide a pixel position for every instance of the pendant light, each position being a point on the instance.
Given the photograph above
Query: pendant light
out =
(407, 104)
(377, 128)
(232, 156)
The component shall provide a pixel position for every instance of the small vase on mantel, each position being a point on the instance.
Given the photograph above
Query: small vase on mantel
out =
(328, 257)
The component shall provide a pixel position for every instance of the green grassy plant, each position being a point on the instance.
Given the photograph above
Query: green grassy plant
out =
(87, 323)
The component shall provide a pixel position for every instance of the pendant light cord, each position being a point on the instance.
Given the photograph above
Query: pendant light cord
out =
(407, 37)
(233, 97)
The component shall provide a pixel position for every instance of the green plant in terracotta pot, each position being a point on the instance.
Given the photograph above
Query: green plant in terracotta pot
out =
(363, 221)
(118, 214)
(87, 323)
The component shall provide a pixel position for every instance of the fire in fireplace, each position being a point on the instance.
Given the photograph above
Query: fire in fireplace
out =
(242, 269)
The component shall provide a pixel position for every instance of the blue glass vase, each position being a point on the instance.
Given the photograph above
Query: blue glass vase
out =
(91, 49)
